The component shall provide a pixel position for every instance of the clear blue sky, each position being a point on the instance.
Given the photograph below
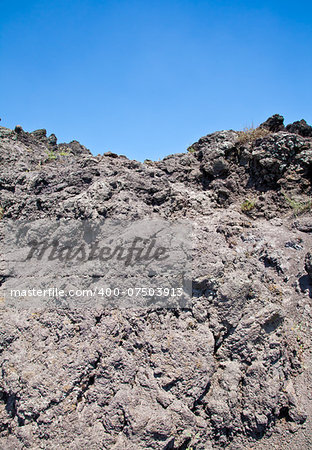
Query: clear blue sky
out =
(148, 78)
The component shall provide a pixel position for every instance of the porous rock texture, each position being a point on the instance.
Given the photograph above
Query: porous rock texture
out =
(233, 370)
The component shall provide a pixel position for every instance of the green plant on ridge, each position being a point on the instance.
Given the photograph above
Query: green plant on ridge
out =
(248, 205)
(51, 155)
(299, 207)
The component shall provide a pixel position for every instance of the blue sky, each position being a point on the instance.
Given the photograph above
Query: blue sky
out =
(148, 78)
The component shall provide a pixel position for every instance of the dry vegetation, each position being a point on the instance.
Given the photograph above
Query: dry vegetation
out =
(249, 135)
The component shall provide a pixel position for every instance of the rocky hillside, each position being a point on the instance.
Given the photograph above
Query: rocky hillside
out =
(234, 370)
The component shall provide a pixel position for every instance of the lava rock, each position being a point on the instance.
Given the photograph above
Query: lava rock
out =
(110, 154)
(300, 127)
(308, 264)
(18, 129)
(52, 140)
(39, 134)
(274, 123)
(216, 374)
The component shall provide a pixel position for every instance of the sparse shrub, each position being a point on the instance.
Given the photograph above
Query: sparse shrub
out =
(248, 205)
(64, 150)
(51, 156)
(299, 207)
(1, 212)
(249, 135)
(191, 149)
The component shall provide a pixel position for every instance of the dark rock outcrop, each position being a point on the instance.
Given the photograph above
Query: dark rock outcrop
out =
(274, 123)
(300, 127)
(308, 264)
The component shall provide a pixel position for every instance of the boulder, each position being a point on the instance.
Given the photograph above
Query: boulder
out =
(300, 127)
(274, 123)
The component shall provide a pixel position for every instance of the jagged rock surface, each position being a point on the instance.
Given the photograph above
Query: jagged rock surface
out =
(234, 370)
(300, 127)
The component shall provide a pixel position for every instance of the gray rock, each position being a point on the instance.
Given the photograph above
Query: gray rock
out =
(231, 370)
(39, 134)
(52, 140)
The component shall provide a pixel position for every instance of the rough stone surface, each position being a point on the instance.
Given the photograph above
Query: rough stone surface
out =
(233, 370)
(274, 123)
(300, 127)
(308, 264)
